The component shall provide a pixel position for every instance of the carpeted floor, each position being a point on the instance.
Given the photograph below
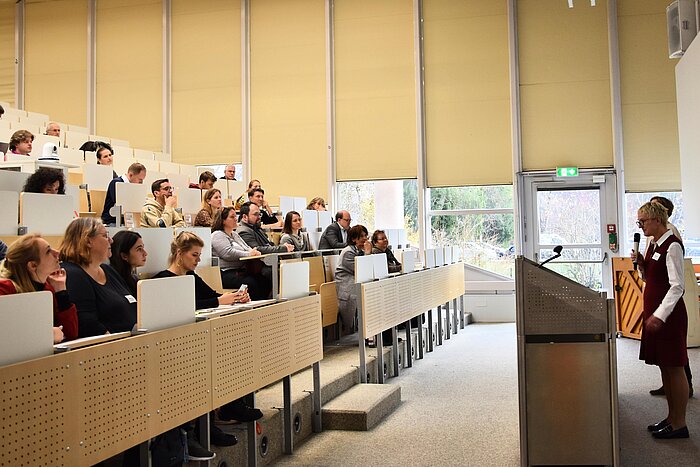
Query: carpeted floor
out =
(460, 407)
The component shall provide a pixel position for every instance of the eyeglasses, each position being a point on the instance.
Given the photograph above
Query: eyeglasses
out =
(640, 222)
(167, 188)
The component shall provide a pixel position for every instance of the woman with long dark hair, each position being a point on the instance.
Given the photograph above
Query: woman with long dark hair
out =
(128, 253)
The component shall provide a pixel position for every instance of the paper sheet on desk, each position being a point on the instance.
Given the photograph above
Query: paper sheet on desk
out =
(228, 309)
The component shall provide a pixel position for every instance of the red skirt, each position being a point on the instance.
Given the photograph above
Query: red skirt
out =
(668, 345)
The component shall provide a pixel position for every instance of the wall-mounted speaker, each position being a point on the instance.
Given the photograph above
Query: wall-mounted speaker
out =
(682, 23)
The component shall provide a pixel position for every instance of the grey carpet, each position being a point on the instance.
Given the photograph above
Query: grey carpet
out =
(460, 407)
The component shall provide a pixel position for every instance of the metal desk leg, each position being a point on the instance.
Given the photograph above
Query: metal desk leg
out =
(361, 337)
(455, 317)
(395, 350)
(143, 454)
(419, 353)
(275, 276)
(203, 434)
(461, 312)
(430, 330)
(287, 427)
(448, 324)
(316, 398)
(439, 325)
(252, 435)
(409, 358)
(380, 358)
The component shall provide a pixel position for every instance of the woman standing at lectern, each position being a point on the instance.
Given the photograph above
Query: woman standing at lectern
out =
(665, 323)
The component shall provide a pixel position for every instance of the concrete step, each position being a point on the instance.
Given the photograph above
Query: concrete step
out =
(361, 407)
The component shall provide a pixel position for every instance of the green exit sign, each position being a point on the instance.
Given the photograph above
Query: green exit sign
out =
(567, 171)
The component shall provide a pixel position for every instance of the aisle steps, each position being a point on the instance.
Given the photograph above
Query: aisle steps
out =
(361, 407)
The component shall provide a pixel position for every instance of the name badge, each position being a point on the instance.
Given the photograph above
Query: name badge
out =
(656, 256)
(130, 298)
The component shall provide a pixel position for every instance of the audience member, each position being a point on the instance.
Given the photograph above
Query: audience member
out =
(206, 181)
(32, 265)
(105, 155)
(128, 253)
(244, 197)
(46, 180)
(380, 244)
(250, 231)
(229, 247)
(135, 174)
(53, 129)
(104, 303)
(230, 172)
(291, 232)
(21, 142)
(160, 211)
(345, 275)
(211, 204)
(317, 204)
(335, 235)
(257, 196)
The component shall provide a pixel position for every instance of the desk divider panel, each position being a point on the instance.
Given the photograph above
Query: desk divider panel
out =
(176, 178)
(9, 212)
(97, 177)
(48, 214)
(131, 196)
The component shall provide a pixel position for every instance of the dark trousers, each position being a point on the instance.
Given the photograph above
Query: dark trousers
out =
(259, 287)
(688, 374)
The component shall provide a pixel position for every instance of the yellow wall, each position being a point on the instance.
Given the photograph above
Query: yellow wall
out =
(206, 81)
(130, 71)
(288, 98)
(650, 121)
(467, 93)
(7, 52)
(56, 60)
(564, 84)
(375, 90)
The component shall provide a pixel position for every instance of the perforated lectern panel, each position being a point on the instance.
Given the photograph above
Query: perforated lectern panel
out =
(553, 304)
(308, 335)
(233, 359)
(275, 327)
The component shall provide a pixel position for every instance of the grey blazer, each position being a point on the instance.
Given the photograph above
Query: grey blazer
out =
(256, 238)
(345, 272)
(332, 238)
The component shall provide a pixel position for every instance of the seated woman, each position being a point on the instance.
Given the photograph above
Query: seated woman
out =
(316, 204)
(380, 244)
(291, 232)
(229, 247)
(31, 265)
(185, 254)
(128, 253)
(105, 155)
(104, 302)
(46, 180)
(211, 204)
(345, 275)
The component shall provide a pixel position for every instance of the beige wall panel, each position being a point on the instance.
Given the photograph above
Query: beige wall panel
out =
(564, 84)
(129, 71)
(206, 81)
(288, 98)
(647, 76)
(651, 139)
(56, 60)
(375, 90)
(467, 93)
(7, 52)
(566, 124)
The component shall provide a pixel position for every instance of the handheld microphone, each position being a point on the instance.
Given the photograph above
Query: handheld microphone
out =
(637, 237)
(557, 251)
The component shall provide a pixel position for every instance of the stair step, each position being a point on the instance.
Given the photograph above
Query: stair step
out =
(361, 407)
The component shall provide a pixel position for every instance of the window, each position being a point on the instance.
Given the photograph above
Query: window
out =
(478, 219)
(218, 170)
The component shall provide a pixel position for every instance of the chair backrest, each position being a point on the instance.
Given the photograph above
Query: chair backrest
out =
(48, 214)
(97, 176)
(317, 272)
(212, 276)
(329, 304)
(9, 212)
(165, 303)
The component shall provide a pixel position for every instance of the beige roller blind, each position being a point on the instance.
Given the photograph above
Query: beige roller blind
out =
(288, 97)
(375, 90)
(7, 52)
(647, 81)
(564, 84)
(206, 81)
(130, 71)
(467, 93)
(56, 59)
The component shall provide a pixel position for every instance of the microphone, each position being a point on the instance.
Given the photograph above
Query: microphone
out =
(635, 249)
(557, 251)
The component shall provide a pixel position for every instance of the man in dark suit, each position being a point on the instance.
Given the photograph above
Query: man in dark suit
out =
(135, 174)
(336, 235)
(250, 232)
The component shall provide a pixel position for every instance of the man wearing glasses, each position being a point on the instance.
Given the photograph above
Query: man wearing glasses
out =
(336, 235)
(160, 211)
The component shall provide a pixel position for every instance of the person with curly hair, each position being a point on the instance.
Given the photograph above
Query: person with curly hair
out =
(46, 180)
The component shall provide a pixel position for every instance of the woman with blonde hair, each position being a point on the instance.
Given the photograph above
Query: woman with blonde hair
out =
(104, 302)
(316, 204)
(211, 204)
(31, 265)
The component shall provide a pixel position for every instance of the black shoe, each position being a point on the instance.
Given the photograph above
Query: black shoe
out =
(240, 412)
(668, 432)
(195, 451)
(658, 392)
(221, 439)
(657, 426)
